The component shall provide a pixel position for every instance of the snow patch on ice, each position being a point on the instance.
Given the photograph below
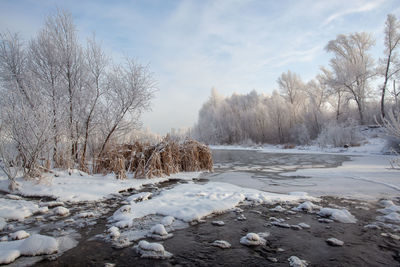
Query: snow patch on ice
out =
(32, 246)
(189, 202)
(77, 186)
(11, 209)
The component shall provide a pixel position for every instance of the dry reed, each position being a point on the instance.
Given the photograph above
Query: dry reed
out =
(148, 161)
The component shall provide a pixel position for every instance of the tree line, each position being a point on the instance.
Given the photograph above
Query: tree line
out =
(354, 87)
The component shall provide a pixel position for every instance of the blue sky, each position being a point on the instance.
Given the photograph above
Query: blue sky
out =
(192, 46)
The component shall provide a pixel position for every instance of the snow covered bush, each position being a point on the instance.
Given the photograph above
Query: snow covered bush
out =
(392, 128)
(339, 135)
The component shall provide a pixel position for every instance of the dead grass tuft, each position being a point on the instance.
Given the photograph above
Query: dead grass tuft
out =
(148, 161)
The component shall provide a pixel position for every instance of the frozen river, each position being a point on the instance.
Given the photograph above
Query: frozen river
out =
(367, 177)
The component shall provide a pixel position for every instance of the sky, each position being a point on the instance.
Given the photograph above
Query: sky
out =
(192, 46)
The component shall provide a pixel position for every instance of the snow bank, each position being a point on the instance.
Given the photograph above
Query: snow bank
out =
(11, 209)
(189, 202)
(343, 215)
(83, 187)
(32, 246)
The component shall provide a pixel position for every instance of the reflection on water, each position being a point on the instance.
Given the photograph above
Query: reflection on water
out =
(262, 170)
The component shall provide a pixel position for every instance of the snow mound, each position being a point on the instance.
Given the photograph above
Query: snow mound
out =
(152, 250)
(11, 209)
(392, 217)
(252, 239)
(167, 220)
(334, 242)
(114, 232)
(190, 202)
(221, 244)
(307, 206)
(296, 262)
(158, 232)
(32, 246)
(343, 215)
(385, 203)
(61, 211)
(278, 209)
(21, 234)
(389, 209)
(139, 197)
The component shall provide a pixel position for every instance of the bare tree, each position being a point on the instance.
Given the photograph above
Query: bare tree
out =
(352, 66)
(63, 31)
(129, 90)
(44, 64)
(390, 64)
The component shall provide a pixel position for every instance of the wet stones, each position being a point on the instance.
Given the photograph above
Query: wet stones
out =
(221, 244)
(334, 242)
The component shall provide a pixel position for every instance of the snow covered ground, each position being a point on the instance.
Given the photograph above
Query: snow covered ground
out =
(80, 186)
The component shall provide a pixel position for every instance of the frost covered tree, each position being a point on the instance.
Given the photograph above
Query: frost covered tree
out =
(352, 66)
(390, 64)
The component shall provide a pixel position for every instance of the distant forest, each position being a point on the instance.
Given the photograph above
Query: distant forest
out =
(355, 89)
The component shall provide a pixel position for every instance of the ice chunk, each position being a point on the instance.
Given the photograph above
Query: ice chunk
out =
(167, 220)
(114, 232)
(343, 215)
(296, 262)
(152, 250)
(252, 239)
(158, 232)
(218, 223)
(221, 244)
(306, 206)
(61, 211)
(390, 209)
(334, 242)
(282, 225)
(21, 234)
(385, 203)
(278, 209)
(392, 217)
